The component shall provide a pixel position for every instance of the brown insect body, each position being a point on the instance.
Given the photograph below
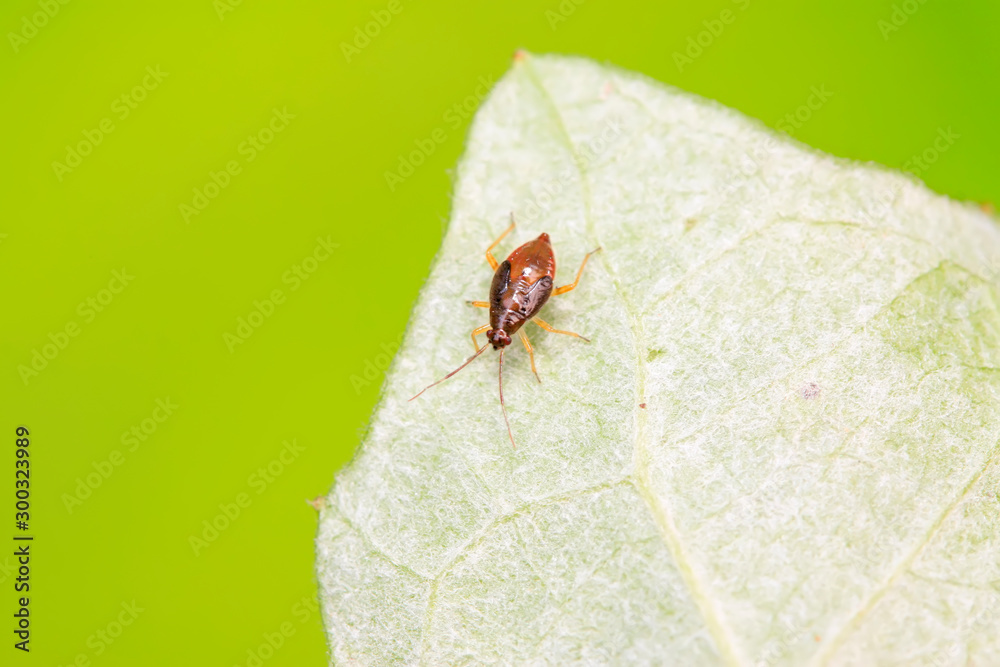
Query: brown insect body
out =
(521, 286)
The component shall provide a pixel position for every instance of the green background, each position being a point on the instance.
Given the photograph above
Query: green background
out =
(302, 373)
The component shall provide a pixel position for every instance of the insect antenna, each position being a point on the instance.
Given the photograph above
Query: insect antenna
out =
(467, 362)
(502, 406)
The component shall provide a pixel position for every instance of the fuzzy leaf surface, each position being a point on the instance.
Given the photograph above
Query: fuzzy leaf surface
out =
(813, 477)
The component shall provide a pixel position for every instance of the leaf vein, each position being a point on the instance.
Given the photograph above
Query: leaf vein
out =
(903, 565)
(714, 621)
(480, 536)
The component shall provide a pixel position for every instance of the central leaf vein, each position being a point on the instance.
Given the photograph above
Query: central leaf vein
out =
(712, 616)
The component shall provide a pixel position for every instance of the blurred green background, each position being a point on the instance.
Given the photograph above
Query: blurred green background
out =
(214, 153)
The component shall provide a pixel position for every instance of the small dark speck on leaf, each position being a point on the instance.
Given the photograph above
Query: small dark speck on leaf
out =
(809, 391)
(642, 405)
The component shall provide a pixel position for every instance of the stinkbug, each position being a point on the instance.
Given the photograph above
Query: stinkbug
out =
(522, 284)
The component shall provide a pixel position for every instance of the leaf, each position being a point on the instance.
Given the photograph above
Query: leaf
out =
(813, 479)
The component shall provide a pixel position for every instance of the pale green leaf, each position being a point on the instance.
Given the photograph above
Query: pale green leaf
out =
(813, 479)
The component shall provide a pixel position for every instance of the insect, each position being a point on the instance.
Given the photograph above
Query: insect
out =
(522, 284)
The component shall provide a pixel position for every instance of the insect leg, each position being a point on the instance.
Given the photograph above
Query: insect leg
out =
(476, 332)
(548, 327)
(572, 285)
(489, 251)
(531, 353)
(479, 304)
